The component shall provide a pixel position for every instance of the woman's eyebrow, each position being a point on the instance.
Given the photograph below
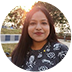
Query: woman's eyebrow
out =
(33, 20)
(44, 20)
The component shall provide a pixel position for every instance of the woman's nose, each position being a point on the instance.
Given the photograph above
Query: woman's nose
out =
(38, 26)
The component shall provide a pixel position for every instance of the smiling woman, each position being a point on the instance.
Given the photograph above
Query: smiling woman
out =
(38, 28)
(38, 48)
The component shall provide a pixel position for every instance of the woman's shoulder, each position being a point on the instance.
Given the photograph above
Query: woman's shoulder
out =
(59, 46)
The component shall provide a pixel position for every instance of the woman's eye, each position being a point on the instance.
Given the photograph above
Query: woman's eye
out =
(32, 23)
(44, 23)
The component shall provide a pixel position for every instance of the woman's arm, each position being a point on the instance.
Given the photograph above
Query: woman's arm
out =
(66, 58)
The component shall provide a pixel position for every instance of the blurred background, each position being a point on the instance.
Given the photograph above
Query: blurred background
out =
(12, 15)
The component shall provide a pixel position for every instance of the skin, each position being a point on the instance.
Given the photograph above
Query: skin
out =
(38, 30)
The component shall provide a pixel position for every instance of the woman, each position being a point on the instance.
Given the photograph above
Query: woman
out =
(38, 48)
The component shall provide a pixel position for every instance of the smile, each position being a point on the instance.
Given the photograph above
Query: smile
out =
(38, 33)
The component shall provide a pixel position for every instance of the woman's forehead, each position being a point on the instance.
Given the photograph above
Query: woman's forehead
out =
(38, 14)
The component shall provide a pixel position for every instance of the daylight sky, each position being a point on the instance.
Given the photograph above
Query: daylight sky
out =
(63, 4)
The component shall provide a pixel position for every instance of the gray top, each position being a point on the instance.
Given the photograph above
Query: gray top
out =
(45, 58)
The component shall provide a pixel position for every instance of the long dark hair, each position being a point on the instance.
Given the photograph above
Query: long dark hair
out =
(19, 54)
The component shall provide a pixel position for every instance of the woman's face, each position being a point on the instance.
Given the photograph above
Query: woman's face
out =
(39, 28)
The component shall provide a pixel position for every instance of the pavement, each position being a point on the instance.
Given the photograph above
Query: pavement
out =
(68, 43)
(8, 42)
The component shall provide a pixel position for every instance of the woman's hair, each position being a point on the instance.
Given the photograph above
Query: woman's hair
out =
(19, 54)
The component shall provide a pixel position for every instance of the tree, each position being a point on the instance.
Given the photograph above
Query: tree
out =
(17, 15)
(68, 20)
(53, 9)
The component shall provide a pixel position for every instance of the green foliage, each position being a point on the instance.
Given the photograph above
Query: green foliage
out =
(68, 21)
(10, 14)
(61, 34)
(17, 16)
(10, 31)
(55, 12)
(10, 20)
(9, 47)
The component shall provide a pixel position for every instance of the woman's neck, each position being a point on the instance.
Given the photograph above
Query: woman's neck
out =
(38, 45)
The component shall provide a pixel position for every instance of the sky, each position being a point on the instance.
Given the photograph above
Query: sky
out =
(63, 4)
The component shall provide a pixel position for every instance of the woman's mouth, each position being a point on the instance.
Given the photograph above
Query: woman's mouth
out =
(38, 33)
